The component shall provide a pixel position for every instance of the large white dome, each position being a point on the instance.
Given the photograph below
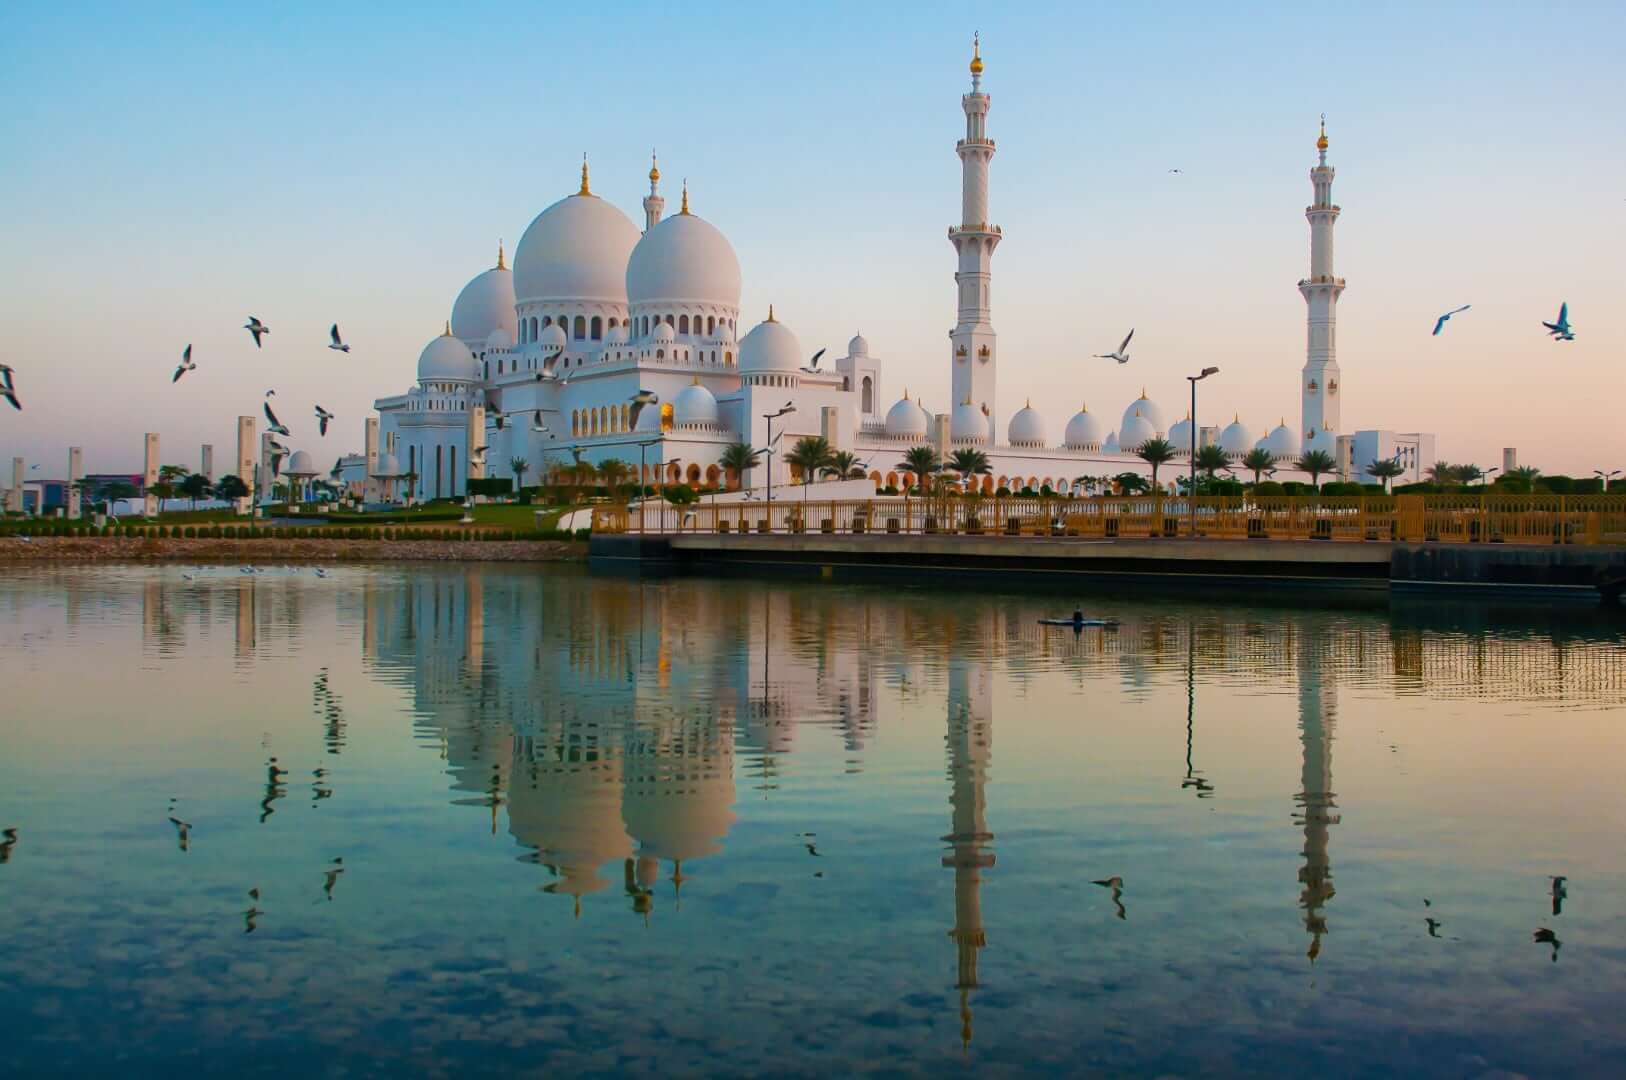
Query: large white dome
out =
(1236, 439)
(300, 464)
(486, 304)
(770, 347)
(968, 424)
(1026, 427)
(447, 358)
(576, 249)
(684, 260)
(1180, 436)
(1136, 430)
(1083, 431)
(1148, 410)
(906, 420)
(1283, 443)
(694, 407)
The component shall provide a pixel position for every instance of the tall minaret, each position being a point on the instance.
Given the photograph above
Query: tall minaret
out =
(653, 203)
(1319, 381)
(974, 240)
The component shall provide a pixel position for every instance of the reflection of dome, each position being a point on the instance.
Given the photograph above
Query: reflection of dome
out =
(570, 812)
(1148, 411)
(1083, 431)
(684, 260)
(486, 304)
(663, 333)
(1026, 427)
(387, 467)
(1111, 444)
(678, 801)
(1180, 436)
(552, 338)
(906, 419)
(447, 358)
(968, 424)
(770, 346)
(300, 464)
(1236, 439)
(693, 407)
(858, 346)
(576, 249)
(1136, 430)
(1282, 443)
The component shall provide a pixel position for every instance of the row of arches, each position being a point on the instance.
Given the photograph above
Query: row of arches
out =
(985, 485)
(437, 476)
(682, 324)
(605, 420)
(582, 328)
(439, 405)
(787, 381)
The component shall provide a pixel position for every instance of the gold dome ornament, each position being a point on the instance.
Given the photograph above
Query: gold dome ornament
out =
(685, 207)
(584, 190)
(1321, 143)
(654, 169)
(976, 53)
(501, 265)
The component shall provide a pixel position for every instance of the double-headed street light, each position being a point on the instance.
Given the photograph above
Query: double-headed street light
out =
(790, 407)
(1191, 490)
(1606, 477)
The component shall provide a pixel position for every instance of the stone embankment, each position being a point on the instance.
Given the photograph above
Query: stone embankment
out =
(270, 549)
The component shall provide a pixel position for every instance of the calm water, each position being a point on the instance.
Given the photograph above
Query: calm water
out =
(516, 820)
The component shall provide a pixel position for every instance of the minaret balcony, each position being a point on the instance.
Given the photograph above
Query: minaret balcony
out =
(960, 144)
(1323, 279)
(981, 228)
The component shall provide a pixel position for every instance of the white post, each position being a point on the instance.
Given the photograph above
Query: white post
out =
(76, 472)
(245, 460)
(149, 474)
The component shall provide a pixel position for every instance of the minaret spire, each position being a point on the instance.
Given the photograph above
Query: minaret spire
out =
(1318, 383)
(972, 339)
(653, 203)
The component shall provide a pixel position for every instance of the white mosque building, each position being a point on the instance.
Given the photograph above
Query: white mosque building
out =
(540, 362)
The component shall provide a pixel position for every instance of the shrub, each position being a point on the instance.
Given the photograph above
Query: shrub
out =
(583, 534)
(1268, 487)
(1002, 493)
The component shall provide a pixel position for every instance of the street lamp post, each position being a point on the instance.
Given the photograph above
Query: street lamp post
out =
(1484, 479)
(1606, 477)
(1191, 488)
(771, 417)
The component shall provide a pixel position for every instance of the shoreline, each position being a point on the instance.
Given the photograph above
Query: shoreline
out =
(41, 549)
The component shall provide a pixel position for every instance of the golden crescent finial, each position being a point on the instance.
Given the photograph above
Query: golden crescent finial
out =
(1321, 143)
(585, 190)
(501, 265)
(976, 53)
(448, 332)
(770, 313)
(654, 168)
(685, 208)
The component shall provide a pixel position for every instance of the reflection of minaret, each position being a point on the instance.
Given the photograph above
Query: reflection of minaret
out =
(1317, 712)
(474, 627)
(970, 746)
(245, 619)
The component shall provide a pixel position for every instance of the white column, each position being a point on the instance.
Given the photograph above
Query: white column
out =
(208, 462)
(245, 458)
(972, 341)
(369, 486)
(476, 469)
(149, 473)
(14, 497)
(1319, 381)
(76, 472)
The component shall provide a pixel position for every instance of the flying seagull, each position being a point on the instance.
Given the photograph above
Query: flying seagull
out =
(1177, 170)
(639, 401)
(813, 364)
(186, 365)
(338, 342)
(322, 417)
(1439, 324)
(478, 455)
(257, 328)
(1121, 354)
(8, 388)
(1560, 330)
(276, 427)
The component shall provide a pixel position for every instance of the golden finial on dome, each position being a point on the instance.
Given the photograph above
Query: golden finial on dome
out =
(976, 53)
(770, 314)
(448, 332)
(685, 207)
(1143, 393)
(584, 190)
(1029, 404)
(654, 169)
(501, 265)
(1321, 143)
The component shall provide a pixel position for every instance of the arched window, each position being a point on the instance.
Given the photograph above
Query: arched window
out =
(728, 359)
(711, 325)
(533, 328)
(694, 475)
(581, 328)
(683, 324)
(660, 354)
(645, 331)
(574, 423)
(613, 324)
(626, 418)
(868, 392)
(669, 321)
(598, 328)
(452, 486)
(437, 471)
(547, 320)
(499, 368)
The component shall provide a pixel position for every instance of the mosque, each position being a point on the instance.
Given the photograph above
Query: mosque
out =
(541, 362)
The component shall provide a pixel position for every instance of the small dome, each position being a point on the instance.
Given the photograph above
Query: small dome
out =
(684, 260)
(447, 358)
(1026, 427)
(485, 305)
(552, 337)
(1236, 439)
(300, 464)
(693, 407)
(663, 333)
(1180, 436)
(1111, 443)
(1282, 442)
(499, 339)
(615, 335)
(1136, 430)
(387, 467)
(1083, 431)
(906, 420)
(1323, 440)
(858, 346)
(576, 249)
(1148, 411)
(968, 424)
(770, 346)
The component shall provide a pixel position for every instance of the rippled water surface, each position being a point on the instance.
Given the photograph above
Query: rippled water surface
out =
(487, 820)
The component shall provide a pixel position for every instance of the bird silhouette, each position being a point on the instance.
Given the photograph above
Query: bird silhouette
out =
(1121, 353)
(337, 342)
(276, 427)
(640, 401)
(1560, 330)
(8, 386)
(813, 365)
(8, 840)
(185, 365)
(257, 328)
(1433, 927)
(1116, 884)
(1544, 936)
(1439, 324)
(331, 878)
(322, 418)
(183, 832)
(252, 915)
(1560, 892)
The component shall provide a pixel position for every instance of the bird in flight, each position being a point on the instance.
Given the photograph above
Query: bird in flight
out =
(1560, 330)
(8, 388)
(478, 455)
(331, 877)
(1560, 893)
(639, 400)
(538, 426)
(1544, 936)
(276, 427)
(322, 418)
(1121, 353)
(1439, 324)
(813, 364)
(257, 328)
(185, 366)
(1116, 884)
(183, 832)
(1177, 170)
(338, 342)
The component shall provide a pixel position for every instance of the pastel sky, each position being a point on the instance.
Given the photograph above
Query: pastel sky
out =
(167, 171)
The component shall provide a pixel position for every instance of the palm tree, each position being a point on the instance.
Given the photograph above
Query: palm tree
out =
(738, 457)
(1442, 472)
(115, 492)
(810, 454)
(922, 461)
(1258, 461)
(1467, 474)
(1523, 478)
(519, 466)
(970, 463)
(1385, 470)
(614, 471)
(195, 487)
(1130, 483)
(1212, 458)
(231, 488)
(843, 465)
(1156, 452)
(1315, 463)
